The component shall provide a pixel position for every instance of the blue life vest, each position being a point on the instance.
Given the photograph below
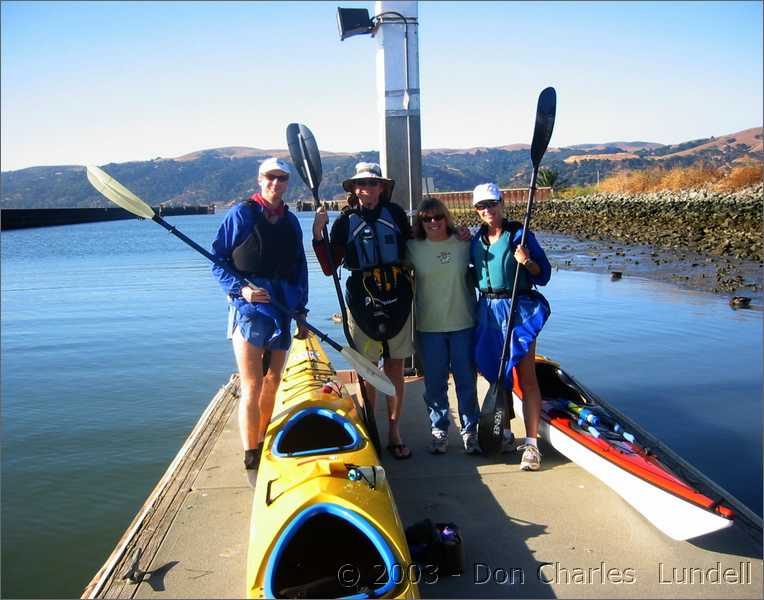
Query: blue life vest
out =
(372, 244)
(495, 264)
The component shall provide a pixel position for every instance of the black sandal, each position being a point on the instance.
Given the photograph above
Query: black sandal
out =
(397, 451)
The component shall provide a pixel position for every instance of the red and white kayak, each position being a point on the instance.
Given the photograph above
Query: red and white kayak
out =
(669, 492)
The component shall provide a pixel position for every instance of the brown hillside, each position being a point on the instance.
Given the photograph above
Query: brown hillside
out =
(750, 137)
(246, 152)
(615, 156)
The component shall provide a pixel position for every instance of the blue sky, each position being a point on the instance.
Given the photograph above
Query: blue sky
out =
(99, 82)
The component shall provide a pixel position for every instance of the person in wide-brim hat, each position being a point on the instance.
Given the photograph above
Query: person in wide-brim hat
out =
(368, 170)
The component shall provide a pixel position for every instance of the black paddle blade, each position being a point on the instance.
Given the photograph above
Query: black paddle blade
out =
(305, 156)
(493, 416)
(542, 133)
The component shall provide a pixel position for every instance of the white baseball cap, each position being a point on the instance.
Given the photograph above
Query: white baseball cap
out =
(486, 191)
(273, 164)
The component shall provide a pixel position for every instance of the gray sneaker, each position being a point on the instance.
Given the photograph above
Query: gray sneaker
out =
(439, 442)
(471, 445)
(531, 460)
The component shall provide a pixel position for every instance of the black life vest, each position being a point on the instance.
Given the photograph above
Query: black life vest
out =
(271, 249)
(380, 300)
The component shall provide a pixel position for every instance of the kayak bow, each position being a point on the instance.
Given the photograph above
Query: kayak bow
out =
(324, 522)
(656, 482)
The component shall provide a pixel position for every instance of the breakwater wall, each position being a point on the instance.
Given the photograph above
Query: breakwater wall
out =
(22, 218)
(706, 221)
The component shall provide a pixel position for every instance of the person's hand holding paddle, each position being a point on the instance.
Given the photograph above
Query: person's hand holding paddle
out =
(523, 257)
(255, 295)
(320, 221)
(302, 329)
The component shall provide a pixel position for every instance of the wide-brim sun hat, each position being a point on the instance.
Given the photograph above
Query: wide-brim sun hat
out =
(273, 164)
(486, 191)
(369, 170)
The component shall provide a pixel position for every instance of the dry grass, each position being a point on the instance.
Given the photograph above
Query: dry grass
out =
(681, 178)
(741, 177)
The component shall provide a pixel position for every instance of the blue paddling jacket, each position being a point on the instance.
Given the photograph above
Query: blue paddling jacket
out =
(289, 285)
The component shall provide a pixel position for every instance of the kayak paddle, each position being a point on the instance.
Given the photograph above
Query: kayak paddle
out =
(307, 159)
(121, 196)
(496, 404)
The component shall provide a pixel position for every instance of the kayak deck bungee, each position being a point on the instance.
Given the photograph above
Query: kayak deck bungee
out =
(594, 435)
(324, 523)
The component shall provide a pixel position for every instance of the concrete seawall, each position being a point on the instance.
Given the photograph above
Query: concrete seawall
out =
(22, 218)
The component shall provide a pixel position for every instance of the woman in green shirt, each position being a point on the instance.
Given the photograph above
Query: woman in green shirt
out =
(444, 307)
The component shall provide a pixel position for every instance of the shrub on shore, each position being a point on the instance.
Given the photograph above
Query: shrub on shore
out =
(677, 179)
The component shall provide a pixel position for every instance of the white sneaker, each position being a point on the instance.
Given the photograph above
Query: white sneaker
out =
(439, 442)
(471, 445)
(531, 460)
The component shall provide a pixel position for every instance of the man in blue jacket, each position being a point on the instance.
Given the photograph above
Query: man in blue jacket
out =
(262, 240)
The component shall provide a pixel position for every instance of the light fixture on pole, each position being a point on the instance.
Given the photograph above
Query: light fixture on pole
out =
(356, 21)
(353, 21)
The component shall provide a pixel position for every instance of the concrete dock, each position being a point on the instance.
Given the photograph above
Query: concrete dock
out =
(558, 532)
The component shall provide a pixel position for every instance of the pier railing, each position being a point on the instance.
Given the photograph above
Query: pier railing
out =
(460, 203)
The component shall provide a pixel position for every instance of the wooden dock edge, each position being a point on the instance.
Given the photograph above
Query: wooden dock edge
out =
(148, 528)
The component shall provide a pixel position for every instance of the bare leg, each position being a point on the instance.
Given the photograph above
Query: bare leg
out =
(393, 368)
(371, 394)
(268, 391)
(249, 359)
(526, 373)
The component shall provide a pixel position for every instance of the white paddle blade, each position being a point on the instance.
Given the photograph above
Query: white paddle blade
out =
(368, 372)
(118, 193)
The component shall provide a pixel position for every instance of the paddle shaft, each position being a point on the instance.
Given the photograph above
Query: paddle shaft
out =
(369, 418)
(276, 304)
(512, 308)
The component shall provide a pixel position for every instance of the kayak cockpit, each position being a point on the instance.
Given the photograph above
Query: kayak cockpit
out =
(554, 383)
(328, 551)
(316, 430)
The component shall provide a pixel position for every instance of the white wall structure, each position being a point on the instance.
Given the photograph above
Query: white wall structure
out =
(398, 100)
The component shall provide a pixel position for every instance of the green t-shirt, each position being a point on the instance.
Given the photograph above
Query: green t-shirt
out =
(443, 299)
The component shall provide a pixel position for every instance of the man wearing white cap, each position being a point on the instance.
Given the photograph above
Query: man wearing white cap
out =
(370, 240)
(496, 255)
(262, 240)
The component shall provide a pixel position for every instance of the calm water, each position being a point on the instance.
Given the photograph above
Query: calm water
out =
(113, 344)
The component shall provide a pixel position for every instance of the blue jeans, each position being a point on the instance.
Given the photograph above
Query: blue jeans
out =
(441, 352)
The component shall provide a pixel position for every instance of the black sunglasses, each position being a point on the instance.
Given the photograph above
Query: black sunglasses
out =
(367, 182)
(433, 218)
(486, 204)
(272, 177)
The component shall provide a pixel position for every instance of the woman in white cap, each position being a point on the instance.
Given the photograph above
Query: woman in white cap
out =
(262, 240)
(496, 255)
(370, 240)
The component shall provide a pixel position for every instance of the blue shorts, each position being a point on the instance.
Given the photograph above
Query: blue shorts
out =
(258, 330)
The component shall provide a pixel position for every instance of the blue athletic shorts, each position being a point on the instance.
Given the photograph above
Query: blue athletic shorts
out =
(258, 330)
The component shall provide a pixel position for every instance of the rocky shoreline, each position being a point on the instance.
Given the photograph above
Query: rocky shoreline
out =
(697, 239)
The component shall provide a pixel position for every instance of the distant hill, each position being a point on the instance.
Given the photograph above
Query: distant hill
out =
(225, 175)
(734, 147)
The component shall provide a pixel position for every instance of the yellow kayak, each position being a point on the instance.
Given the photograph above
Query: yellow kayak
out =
(324, 522)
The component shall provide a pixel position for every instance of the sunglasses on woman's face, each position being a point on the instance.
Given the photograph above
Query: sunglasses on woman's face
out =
(426, 219)
(272, 177)
(367, 182)
(486, 204)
